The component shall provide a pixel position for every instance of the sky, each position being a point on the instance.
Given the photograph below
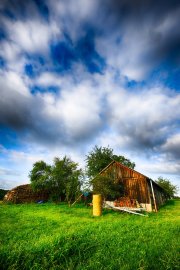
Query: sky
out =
(75, 74)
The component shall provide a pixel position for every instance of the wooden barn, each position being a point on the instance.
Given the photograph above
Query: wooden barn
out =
(138, 189)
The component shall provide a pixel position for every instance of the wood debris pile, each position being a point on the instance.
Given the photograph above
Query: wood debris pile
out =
(25, 194)
(126, 202)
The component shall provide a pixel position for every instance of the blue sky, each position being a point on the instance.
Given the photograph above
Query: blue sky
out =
(74, 74)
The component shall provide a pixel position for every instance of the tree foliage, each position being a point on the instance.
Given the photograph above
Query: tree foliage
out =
(100, 157)
(62, 179)
(66, 178)
(40, 175)
(96, 161)
(167, 186)
(3, 192)
(124, 161)
(106, 186)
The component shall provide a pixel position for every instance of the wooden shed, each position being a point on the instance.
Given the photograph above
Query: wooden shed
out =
(136, 186)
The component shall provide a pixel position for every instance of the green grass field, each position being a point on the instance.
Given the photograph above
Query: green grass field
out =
(50, 236)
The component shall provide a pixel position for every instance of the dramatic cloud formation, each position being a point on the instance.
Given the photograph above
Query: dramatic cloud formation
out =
(78, 73)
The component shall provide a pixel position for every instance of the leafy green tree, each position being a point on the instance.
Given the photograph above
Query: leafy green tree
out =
(66, 178)
(124, 161)
(167, 186)
(58, 175)
(100, 157)
(40, 175)
(62, 179)
(96, 161)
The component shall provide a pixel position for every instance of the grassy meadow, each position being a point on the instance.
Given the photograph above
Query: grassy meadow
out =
(54, 236)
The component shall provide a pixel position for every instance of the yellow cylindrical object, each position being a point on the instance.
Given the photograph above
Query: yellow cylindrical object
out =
(97, 205)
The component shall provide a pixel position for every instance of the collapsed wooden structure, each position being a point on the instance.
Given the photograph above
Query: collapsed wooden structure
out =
(138, 190)
(25, 194)
(130, 210)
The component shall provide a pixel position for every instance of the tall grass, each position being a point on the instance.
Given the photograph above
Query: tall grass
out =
(50, 236)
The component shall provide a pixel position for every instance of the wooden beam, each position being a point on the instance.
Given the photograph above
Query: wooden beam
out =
(77, 200)
(124, 209)
(154, 199)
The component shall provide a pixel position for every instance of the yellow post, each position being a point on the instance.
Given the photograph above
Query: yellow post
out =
(97, 205)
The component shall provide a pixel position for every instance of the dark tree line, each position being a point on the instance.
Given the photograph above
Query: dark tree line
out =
(2, 193)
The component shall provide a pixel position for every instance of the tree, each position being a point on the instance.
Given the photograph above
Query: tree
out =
(40, 175)
(124, 161)
(96, 161)
(100, 157)
(62, 179)
(167, 186)
(66, 177)
(58, 177)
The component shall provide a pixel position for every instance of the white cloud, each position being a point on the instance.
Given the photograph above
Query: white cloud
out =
(48, 79)
(31, 35)
(12, 81)
(172, 147)
(77, 109)
(9, 184)
(158, 165)
(172, 142)
(151, 106)
(145, 116)
(129, 62)
(8, 172)
(12, 54)
(71, 15)
(80, 110)
(9, 51)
